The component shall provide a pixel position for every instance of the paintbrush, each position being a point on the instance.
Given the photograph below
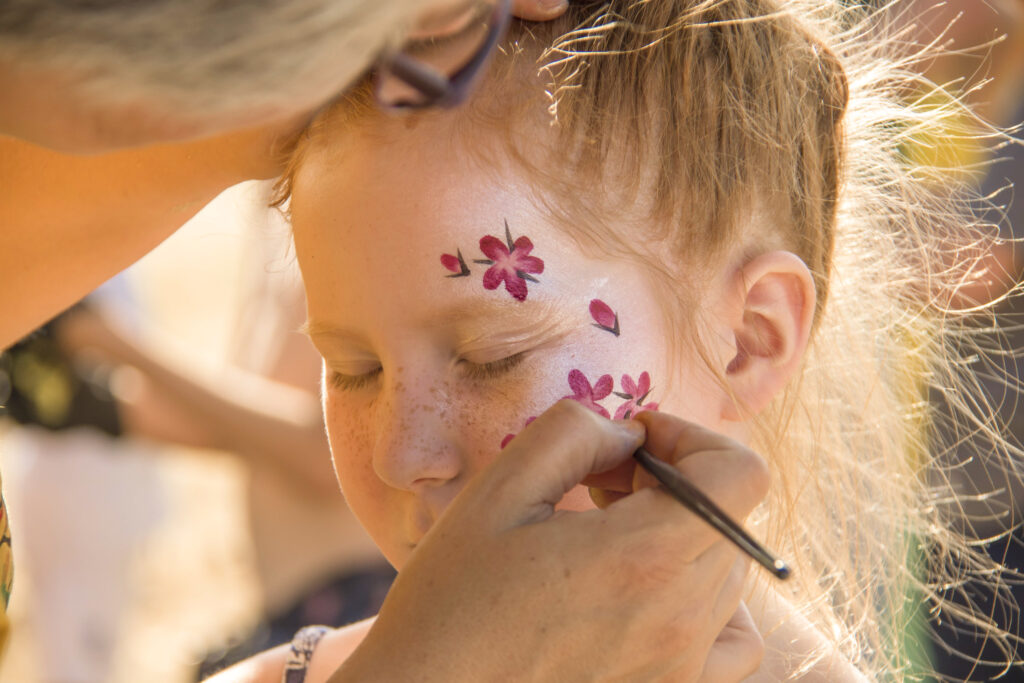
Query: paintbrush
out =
(690, 496)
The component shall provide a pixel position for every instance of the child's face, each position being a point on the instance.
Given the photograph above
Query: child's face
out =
(433, 356)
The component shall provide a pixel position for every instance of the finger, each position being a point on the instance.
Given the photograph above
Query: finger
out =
(737, 652)
(538, 10)
(551, 456)
(730, 590)
(726, 477)
(730, 474)
(669, 436)
(619, 478)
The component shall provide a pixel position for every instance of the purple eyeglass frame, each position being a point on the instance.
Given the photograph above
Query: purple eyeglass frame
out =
(439, 90)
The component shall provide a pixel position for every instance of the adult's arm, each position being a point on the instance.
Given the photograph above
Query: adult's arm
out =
(231, 409)
(68, 223)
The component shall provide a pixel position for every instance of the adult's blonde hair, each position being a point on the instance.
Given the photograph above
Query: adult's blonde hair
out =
(203, 57)
(683, 128)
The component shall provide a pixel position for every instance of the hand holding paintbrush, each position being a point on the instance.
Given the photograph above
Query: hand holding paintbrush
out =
(678, 440)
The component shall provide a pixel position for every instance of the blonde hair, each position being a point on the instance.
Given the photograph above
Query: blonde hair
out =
(692, 116)
(203, 57)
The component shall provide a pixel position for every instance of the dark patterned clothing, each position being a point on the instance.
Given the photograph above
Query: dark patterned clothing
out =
(343, 600)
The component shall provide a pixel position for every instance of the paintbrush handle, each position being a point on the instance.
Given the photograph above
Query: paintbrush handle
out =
(690, 496)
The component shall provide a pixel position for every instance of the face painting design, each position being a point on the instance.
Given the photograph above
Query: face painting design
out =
(604, 317)
(635, 393)
(588, 394)
(510, 263)
(456, 264)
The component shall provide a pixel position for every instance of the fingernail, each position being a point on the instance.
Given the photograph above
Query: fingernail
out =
(631, 429)
(553, 6)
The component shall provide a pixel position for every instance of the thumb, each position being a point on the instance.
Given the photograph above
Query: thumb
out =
(551, 456)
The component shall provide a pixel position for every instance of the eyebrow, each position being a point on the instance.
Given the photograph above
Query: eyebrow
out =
(545, 312)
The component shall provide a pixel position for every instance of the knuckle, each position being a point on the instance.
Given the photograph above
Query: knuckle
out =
(755, 473)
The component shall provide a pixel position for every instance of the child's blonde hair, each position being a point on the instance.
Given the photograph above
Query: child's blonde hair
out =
(683, 120)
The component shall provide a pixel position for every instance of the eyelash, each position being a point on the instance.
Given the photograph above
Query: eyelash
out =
(352, 382)
(494, 368)
(473, 371)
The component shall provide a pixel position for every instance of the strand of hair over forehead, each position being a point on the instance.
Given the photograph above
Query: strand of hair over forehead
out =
(863, 497)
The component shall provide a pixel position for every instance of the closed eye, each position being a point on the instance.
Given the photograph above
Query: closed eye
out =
(351, 382)
(494, 368)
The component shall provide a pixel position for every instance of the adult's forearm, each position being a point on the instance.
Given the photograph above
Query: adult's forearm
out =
(68, 223)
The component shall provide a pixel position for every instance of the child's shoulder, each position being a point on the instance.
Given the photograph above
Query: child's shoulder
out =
(268, 667)
(791, 643)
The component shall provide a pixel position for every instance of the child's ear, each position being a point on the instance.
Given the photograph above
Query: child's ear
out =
(775, 311)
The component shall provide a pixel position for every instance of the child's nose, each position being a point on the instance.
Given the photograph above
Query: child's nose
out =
(416, 446)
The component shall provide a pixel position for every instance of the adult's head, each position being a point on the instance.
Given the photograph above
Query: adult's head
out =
(95, 75)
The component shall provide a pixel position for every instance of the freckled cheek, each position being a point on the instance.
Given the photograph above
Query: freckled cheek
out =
(351, 439)
(500, 408)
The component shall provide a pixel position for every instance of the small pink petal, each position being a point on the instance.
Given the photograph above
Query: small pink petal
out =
(530, 419)
(523, 245)
(451, 263)
(493, 247)
(493, 277)
(530, 264)
(628, 386)
(516, 286)
(602, 314)
(643, 385)
(508, 437)
(603, 386)
(578, 383)
(620, 412)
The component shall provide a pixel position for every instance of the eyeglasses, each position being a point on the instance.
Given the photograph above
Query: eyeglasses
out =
(439, 71)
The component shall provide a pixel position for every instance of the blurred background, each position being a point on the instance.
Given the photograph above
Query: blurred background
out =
(173, 506)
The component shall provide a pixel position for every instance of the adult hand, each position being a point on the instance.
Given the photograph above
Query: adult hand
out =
(506, 588)
(538, 10)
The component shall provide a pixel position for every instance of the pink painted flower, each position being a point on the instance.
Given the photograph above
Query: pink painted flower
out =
(456, 264)
(589, 395)
(509, 437)
(604, 317)
(510, 262)
(635, 393)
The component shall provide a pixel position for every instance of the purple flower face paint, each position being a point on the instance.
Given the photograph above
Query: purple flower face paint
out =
(510, 263)
(604, 317)
(583, 392)
(456, 264)
(635, 393)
